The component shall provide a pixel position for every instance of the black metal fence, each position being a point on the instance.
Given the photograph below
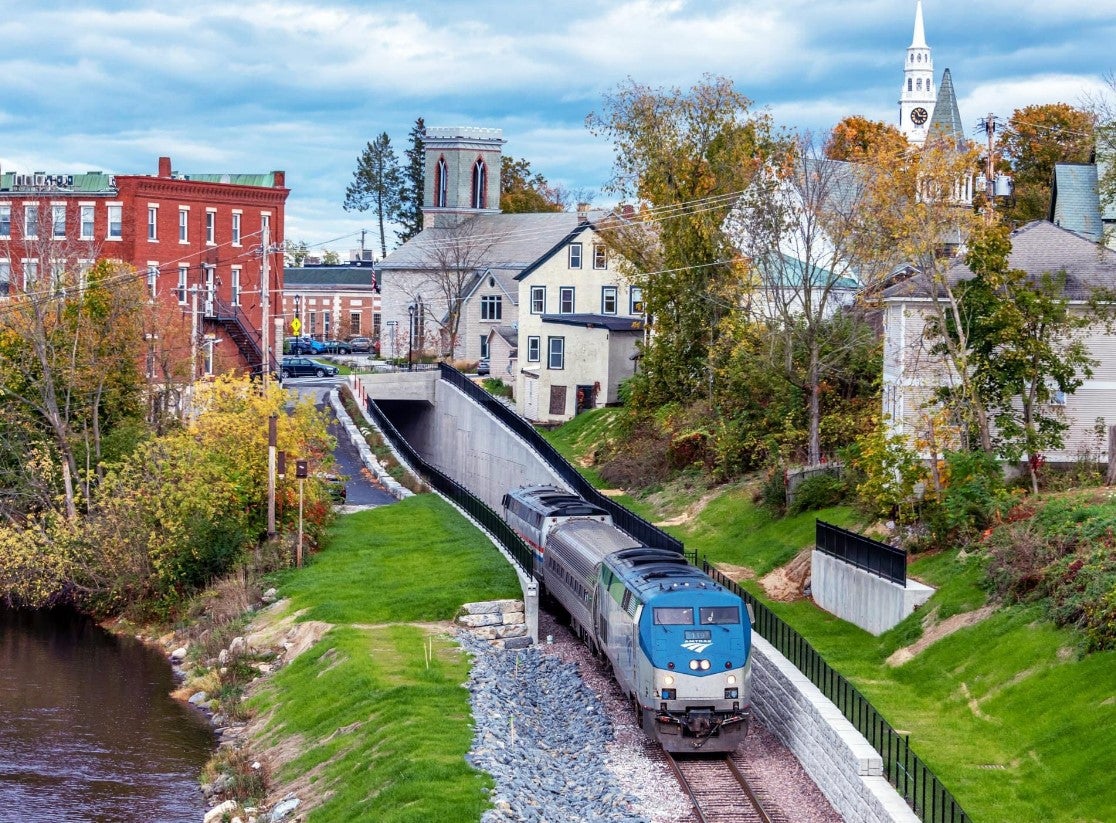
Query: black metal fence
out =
(630, 522)
(905, 770)
(878, 558)
(476, 508)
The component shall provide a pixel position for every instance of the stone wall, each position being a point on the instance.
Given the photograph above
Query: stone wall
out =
(502, 623)
(836, 756)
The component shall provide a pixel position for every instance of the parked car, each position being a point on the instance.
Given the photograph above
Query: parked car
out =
(337, 346)
(305, 367)
(365, 344)
(307, 345)
(483, 368)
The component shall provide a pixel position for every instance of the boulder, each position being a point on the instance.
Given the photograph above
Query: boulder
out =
(218, 811)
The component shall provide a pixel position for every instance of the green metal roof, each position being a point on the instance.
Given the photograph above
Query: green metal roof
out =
(92, 182)
(262, 180)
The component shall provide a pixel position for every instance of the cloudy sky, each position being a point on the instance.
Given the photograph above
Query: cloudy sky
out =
(255, 86)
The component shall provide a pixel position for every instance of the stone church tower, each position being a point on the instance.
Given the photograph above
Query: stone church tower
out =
(917, 97)
(462, 174)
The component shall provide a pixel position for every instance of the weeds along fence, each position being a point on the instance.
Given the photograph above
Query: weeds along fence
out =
(905, 770)
(473, 505)
(862, 552)
(630, 522)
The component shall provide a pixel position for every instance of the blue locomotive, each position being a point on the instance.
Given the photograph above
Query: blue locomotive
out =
(679, 643)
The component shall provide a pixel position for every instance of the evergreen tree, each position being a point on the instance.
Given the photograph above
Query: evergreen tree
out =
(409, 212)
(377, 184)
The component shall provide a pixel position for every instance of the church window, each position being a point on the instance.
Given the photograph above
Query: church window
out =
(929, 83)
(480, 184)
(440, 183)
(918, 84)
(910, 84)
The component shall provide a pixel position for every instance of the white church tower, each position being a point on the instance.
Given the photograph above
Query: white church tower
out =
(917, 97)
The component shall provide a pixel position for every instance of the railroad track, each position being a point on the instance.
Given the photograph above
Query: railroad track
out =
(718, 789)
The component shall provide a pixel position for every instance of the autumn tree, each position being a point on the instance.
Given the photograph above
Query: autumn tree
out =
(856, 139)
(523, 190)
(295, 252)
(1034, 140)
(377, 184)
(409, 215)
(799, 227)
(684, 156)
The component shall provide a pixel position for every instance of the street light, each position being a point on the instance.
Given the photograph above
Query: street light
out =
(410, 336)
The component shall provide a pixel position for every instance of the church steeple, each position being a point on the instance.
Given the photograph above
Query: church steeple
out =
(917, 97)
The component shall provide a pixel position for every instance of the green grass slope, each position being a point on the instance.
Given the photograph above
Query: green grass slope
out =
(376, 710)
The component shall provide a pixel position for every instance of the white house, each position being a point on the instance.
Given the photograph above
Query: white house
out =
(911, 373)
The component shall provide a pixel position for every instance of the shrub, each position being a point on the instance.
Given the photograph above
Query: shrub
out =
(817, 492)
(886, 469)
(974, 496)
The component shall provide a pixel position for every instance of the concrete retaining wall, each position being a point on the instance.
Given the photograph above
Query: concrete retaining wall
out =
(835, 755)
(860, 597)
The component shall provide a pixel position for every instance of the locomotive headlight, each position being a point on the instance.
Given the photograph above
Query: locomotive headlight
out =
(668, 680)
(731, 679)
(695, 665)
(705, 665)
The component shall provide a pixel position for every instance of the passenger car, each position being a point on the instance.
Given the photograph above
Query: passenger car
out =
(363, 344)
(483, 368)
(337, 347)
(307, 345)
(305, 367)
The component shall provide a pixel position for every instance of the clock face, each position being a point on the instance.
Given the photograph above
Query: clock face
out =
(918, 116)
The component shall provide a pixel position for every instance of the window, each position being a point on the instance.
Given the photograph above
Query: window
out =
(5, 278)
(211, 226)
(600, 256)
(30, 273)
(86, 219)
(719, 615)
(183, 224)
(556, 352)
(534, 344)
(208, 345)
(58, 276)
(153, 223)
(325, 323)
(265, 227)
(910, 84)
(235, 298)
(312, 323)
(492, 307)
(575, 255)
(538, 299)
(5, 220)
(484, 346)
(58, 221)
(183, 273)
(480, 184)
(30, 220)
(673, 615)
(153, 279)
(608, 299)
(1057, 397)
(354, 323)
(635, 300)
(566, 300)
(115, 219)
(441, 173)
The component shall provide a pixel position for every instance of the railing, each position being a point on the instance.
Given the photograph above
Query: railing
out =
(878, 558)
(630, 522)
(248, 338)
(905, 770)
(474, 506)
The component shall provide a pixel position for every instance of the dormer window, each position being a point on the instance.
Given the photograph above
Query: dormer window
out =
(480, 184)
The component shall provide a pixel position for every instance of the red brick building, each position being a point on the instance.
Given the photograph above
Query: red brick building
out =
(186, 235)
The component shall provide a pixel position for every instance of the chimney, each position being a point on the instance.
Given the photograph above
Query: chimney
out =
(164, 167)
(280, 178)
(627, 211)
(582, 212)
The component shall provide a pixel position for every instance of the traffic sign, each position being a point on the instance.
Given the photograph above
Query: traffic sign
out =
(296, 325)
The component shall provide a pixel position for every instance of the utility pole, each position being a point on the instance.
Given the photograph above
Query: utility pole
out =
(193, 344)
(272, 442)
(989, 128)
(265, 306)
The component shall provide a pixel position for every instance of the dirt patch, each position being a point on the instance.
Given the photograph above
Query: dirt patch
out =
(612, 492)
(272, 630)
(692, 511)
(735, 573)
(934, 630)
(789, 582)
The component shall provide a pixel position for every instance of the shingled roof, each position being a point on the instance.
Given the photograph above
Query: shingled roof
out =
(1037, 248)
(945, 122)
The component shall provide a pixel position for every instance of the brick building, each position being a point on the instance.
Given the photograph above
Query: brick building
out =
(187, 235)
(332, 301)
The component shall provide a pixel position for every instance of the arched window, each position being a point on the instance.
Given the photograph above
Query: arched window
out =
(929, 84)
(918, 84)
(441, 173)
(910, 84)
(480, 184)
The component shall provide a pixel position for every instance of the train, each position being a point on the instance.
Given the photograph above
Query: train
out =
(678, 642)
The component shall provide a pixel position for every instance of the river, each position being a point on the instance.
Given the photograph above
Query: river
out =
(87, 729)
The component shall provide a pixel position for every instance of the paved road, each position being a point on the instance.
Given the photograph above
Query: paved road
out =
(361, 490)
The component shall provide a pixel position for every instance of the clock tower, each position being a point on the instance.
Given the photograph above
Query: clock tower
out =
(917, 97)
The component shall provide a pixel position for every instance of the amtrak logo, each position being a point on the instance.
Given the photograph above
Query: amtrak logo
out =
(696, 646)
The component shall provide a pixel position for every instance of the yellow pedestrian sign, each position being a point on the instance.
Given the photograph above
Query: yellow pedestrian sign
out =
(296, 326)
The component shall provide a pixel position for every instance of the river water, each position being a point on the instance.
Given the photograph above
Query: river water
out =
(87, 729)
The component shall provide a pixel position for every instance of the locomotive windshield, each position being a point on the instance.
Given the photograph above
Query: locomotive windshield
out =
(665, 616)
(719, 615)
